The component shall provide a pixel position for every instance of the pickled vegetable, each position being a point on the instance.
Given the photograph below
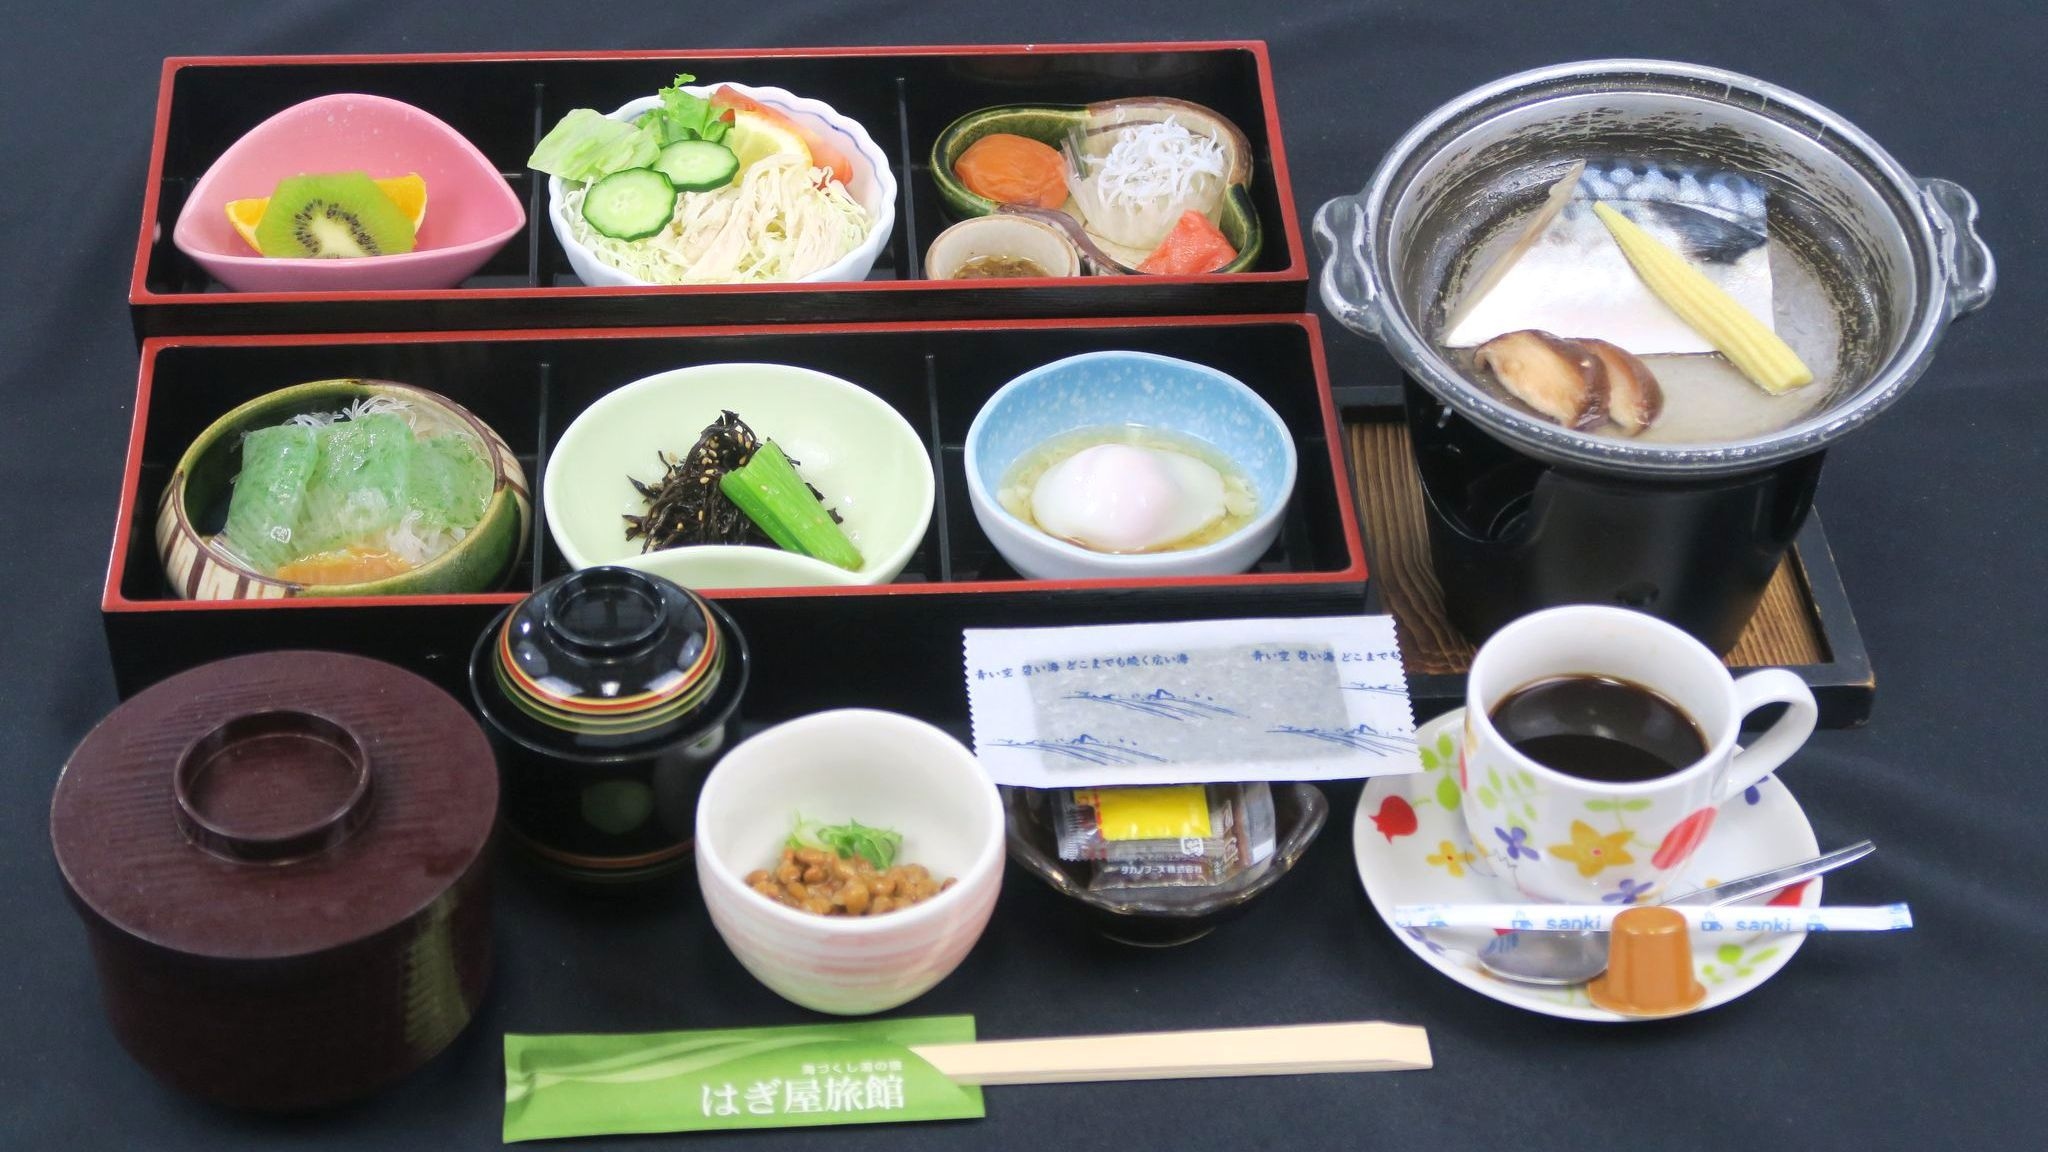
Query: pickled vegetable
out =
(1193, 247)
(1011, 169)
(362, 494)
(277, 464)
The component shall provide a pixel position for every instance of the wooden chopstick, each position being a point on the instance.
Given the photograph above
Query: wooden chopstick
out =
(1279, 1051)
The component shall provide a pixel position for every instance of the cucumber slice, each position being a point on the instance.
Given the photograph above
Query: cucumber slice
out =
(630, 204)
(697, 165)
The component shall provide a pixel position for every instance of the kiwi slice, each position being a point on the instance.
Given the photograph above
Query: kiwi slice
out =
(332, 215)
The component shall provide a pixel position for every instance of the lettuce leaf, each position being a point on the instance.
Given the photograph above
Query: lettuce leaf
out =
(587, 145)
(683, 116)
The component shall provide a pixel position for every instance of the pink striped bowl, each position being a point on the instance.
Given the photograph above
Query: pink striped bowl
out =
(881, 769)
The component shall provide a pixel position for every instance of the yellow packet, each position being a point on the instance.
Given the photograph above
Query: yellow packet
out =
(1177, 812)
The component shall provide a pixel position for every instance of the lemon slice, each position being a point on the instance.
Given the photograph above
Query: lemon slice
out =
(409, 192)
(755, 137)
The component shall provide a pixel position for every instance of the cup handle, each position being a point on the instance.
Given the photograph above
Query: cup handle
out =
(1763, 755)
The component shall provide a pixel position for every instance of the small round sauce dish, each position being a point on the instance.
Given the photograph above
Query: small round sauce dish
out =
(1001, 247)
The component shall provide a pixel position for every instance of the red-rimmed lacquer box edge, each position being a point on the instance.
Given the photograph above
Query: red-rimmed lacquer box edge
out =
(139, 293)
(113, 601)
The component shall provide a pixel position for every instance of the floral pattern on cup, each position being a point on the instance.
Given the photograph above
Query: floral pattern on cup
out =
(1449, 790)
(1685, 838)
(1514, 843)
(1593, 851)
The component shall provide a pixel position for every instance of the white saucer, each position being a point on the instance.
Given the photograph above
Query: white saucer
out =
(1762, 829)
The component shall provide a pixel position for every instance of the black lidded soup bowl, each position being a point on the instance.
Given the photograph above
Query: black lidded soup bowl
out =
(608, 695)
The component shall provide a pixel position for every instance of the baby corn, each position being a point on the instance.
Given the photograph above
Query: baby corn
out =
(1747, 341)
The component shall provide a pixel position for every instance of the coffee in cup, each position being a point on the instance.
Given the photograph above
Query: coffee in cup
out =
(1599, 728)
(1599, 746)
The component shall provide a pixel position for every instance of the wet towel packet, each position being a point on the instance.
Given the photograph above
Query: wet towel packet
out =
(808, 1075)
(1211, 701)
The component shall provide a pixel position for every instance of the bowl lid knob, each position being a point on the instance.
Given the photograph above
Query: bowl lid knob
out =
(272, 786)
(606, 657)
(606, 613)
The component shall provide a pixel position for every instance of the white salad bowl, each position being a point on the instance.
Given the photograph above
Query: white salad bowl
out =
(874, 186)
(883, 770)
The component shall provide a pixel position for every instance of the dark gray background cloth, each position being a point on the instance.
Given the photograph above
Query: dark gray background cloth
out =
(1927, 1039)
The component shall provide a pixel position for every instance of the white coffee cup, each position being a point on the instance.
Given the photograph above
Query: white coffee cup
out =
(1568, 839)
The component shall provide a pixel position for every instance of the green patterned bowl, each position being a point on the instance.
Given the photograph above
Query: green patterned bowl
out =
(1050, 123)
(198, 570)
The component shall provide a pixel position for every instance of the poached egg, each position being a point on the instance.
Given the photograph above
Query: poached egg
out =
(1127, 497)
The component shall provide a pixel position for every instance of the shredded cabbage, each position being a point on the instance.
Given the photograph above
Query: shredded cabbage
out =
(1135, 193)
(777, 222)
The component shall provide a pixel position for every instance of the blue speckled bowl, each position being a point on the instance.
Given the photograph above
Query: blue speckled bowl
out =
(1099, 388)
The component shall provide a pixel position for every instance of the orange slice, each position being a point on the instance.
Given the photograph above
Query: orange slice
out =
(824, 153)
(409, 192)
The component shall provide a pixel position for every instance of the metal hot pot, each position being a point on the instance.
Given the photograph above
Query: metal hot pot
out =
(1524, 513)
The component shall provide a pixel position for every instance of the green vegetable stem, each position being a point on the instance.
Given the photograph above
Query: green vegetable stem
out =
(774, 497)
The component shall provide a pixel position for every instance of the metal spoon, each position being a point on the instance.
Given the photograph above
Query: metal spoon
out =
(1558, 958)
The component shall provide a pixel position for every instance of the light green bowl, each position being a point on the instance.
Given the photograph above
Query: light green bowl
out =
(869, 463)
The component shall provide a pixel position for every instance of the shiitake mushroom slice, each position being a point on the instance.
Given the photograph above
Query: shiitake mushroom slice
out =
(1633, 397)
(1581, 384)
(1561, 379)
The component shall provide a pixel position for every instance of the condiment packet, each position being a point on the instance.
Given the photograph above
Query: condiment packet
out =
(1243, 838)
(1211, 701)
(1131, 823)
(858, 1072)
